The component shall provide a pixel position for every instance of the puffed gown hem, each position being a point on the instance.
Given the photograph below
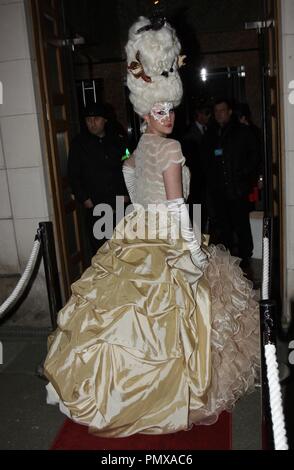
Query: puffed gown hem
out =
(150, 344)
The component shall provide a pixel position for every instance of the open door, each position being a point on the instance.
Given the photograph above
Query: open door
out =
(49, 47)
(273, 165)
(268, 33)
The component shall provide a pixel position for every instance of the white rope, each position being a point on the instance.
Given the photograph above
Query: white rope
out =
(23, 280)
(279, 431)
(265, 269)
(272, 371)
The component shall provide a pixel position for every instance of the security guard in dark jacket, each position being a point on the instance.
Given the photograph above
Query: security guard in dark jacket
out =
(230, 157)
(95, 167)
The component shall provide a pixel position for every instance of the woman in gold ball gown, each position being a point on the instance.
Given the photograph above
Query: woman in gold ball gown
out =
(159, 333)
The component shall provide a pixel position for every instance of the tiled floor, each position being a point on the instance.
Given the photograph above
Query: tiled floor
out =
(247, 419)
(27, 422)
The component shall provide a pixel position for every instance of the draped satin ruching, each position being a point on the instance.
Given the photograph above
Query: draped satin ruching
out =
(149, 344)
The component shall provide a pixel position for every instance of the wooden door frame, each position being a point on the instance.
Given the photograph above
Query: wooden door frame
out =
(50, 130)
(275, 122)
(282, 165)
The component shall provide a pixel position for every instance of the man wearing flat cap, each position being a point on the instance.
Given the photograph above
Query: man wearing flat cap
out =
(95, 166)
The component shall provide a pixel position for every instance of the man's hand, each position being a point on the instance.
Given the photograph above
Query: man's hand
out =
(88, 204)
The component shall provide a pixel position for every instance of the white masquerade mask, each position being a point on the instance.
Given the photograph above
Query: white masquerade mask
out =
(160, 111)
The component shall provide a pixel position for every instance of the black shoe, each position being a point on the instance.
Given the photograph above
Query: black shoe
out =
(40, 372)
(246, 267)
(245, 263)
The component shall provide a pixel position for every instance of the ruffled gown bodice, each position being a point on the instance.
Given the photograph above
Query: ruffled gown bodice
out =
(152, 156)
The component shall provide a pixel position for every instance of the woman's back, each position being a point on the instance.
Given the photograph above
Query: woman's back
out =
(151, 158)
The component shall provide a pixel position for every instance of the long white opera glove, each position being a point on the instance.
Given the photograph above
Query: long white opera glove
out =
(179, 210)
(129, 177)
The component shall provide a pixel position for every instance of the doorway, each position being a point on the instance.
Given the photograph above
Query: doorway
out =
(228, 51)
(52, 61)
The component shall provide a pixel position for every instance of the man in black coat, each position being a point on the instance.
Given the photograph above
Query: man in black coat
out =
(191, 145)
(95, 167)
(230, 155)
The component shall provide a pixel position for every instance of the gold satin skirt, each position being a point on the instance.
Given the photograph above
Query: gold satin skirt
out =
(149, 344)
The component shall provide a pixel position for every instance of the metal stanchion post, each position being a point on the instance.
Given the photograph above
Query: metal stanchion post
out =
(51, 271)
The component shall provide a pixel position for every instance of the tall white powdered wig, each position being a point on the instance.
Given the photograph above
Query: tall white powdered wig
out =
(153, 61)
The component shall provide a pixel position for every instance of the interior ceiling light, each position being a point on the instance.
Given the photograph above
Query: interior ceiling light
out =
(203, 74)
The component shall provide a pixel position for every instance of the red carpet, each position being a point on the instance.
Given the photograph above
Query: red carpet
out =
(216, 437)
